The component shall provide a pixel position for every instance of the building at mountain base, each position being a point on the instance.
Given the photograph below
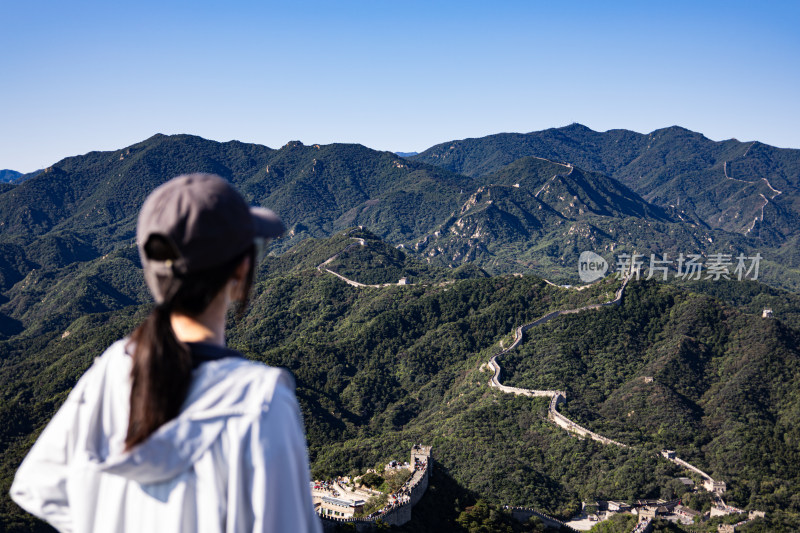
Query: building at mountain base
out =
(396, 513)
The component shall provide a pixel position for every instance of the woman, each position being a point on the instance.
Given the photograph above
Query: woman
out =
(169, 430)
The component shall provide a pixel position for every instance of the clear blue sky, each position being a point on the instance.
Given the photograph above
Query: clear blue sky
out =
(80, 76)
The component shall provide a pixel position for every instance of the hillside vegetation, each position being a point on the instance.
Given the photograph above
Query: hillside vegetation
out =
(467, 224)
(380, 369)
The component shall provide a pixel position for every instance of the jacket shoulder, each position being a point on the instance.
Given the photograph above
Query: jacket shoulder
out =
(238, 384)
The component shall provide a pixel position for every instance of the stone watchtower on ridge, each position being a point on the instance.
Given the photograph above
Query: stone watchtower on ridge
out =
(421, 452)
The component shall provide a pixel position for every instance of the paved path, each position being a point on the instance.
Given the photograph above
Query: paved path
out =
(573, 287)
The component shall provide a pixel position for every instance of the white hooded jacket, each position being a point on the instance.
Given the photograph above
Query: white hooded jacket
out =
(234, 460)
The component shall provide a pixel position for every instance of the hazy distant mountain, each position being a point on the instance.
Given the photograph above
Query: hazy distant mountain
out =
(29, 175)
(405, 154)
(7, 176)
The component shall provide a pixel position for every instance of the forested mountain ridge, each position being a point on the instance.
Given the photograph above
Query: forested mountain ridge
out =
(84, 208)
(724, 183)
(322, 188)
(535, 215)
(573, 191)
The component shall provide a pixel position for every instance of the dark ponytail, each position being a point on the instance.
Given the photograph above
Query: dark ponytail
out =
(160, 376)
(162, 365)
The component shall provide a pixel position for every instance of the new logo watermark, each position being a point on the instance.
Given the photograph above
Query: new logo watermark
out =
(592, 266)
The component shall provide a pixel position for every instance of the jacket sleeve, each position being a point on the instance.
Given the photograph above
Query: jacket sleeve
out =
(279, 492)
(40, 484)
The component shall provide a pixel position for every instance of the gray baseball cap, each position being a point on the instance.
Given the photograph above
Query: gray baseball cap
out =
(194, 223)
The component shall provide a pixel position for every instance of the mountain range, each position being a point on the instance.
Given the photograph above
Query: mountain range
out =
(742, 187)
(465, 222)
(508, 202)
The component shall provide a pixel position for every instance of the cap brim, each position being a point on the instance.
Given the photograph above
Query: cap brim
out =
(266, 224)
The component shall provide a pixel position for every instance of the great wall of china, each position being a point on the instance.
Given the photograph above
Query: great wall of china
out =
(322, 267)
(399, 514)
(715, 487)
(557, 397)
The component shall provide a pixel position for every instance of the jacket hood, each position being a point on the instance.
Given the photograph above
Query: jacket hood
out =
(221, 389)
